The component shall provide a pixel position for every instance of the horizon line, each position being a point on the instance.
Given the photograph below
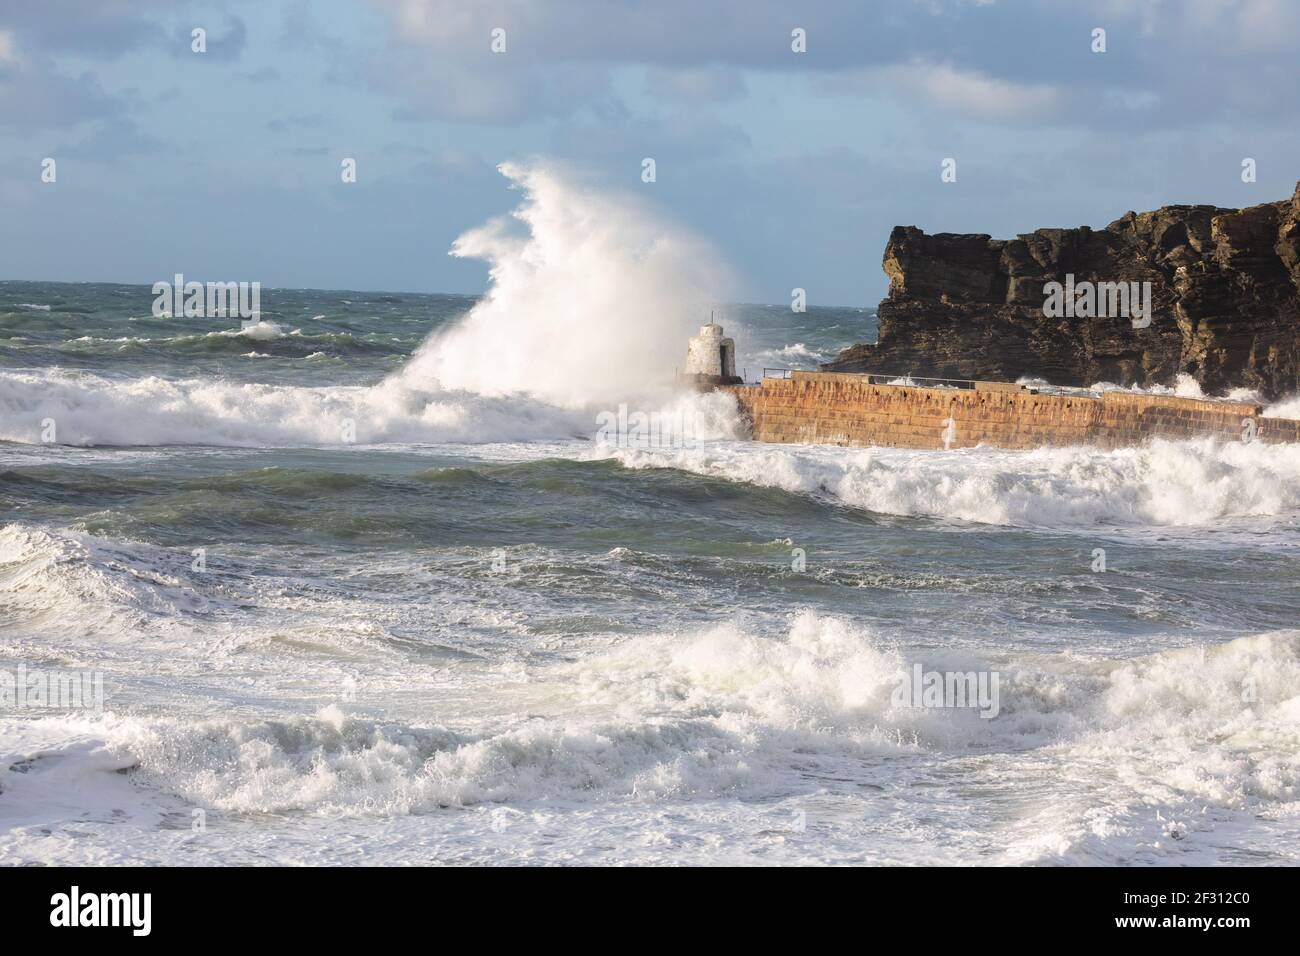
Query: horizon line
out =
(460, 295)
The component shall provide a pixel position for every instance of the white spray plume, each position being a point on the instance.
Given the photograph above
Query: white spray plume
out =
(592, 305)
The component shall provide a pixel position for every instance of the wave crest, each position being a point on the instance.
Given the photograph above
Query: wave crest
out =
(1165, 483)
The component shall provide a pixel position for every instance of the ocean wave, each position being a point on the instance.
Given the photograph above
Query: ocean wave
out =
(231, 342)
(262, 331)
(798, 353)
(1288, 407)
(1164, 483)
(1206, 735)
(72, 581)
(592, 305)
(1185, 386)
(88, 409)
(732, 710)
(680, 716)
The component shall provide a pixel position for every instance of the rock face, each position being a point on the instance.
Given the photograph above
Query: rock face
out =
(1225, 296)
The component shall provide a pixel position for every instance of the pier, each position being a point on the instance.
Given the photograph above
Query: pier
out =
(865, 409)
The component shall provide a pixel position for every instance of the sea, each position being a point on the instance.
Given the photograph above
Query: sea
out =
(369, 579)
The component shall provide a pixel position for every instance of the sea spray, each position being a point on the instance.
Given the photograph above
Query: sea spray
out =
(591, 306)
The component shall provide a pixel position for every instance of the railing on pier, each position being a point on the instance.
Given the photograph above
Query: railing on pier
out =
(893, 378)
(882, 378)
(916, 381)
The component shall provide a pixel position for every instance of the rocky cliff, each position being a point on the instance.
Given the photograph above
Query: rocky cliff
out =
(1225, 296)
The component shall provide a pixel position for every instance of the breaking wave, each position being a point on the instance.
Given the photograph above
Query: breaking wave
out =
(729, 710)
(88, 409)
(71, 580)
(1164, 483)
(593, 304)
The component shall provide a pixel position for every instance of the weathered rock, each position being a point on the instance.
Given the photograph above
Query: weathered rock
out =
(1225, 290)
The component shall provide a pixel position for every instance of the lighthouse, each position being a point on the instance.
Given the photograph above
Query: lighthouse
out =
(711, 358)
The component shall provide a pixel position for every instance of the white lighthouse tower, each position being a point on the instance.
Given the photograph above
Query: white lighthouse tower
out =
(711, 358)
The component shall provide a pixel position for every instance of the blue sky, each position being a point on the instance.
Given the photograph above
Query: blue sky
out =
(225, 165)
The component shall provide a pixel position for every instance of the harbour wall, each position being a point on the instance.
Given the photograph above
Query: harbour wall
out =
(851, 409)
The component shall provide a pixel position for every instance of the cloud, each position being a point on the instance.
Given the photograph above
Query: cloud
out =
(36, 92)
(34, 95)
(968, 91)
(1205, 60)
(560, 57)
(92, 28)
(301, 31)
(957, 91)
(511, 92)
(267, 74)
(296, 121)
(679, 145)
(110, 140)
(225, 46)
(696, 83)
(1247, 25)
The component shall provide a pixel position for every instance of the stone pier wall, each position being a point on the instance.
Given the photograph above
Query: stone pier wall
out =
(843, 409)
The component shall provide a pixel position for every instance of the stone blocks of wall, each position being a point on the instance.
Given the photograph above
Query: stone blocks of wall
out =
(841, 409)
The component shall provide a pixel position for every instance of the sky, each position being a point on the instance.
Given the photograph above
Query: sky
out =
(226, 165)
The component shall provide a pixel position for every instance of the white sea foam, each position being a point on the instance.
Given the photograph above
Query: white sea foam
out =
(592, 304)
(798, 353)
(1185, 386)
(1164, 483)
(263, 330)
(665, 716)
(1288, 407)
(1159, 758)
(90, 409)
(75, 582)
(1179, 754)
